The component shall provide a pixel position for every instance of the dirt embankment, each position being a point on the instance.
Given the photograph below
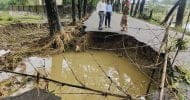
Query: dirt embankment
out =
(139, 52)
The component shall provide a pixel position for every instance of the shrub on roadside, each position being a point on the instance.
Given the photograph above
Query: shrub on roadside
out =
(10, 18)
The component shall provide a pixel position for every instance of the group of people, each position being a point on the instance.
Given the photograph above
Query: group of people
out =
(105, 10)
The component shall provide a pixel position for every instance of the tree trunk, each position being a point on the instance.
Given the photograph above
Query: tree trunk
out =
(84, 7)
(170, 13)
(73, 12)
(43, 2)
(119, 6)
(136, 8)
(64, 2)
(180, 13)
(112, 2)
(53, 17)
(151, 13)
(142, 6)
(79, 9)
(132, 6)
(57, 35)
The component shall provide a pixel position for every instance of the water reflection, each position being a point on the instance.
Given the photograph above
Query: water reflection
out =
(85, 68)
(88, 72)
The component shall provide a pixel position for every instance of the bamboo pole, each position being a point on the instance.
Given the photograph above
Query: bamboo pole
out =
(164, 41)
(163, 76)
(163, 79)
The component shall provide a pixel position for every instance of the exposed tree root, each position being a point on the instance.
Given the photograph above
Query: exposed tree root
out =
(82, 43)
(58, 41)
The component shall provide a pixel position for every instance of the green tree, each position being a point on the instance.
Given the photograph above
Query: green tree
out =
(64, 2)
(84, 7)
(4, 4)
(53, 17)
(79, 9)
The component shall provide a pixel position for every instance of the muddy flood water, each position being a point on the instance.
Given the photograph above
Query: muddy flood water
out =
(86, 69)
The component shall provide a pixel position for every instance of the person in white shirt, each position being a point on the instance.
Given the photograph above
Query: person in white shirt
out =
(108, 13)
(101, 8)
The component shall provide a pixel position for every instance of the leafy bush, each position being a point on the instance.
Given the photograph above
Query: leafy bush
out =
(10, 18)
(4, 4)
(181, 44)
(17, 21)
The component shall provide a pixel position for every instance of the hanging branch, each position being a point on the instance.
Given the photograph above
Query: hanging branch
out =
(103, 93)
(138, 66)
(117, 86)
(170, 12)
(80, 93)
(76, 78)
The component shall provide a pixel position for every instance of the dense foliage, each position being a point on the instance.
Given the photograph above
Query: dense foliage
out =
(172, 2)
(6, 3)
(93, 2)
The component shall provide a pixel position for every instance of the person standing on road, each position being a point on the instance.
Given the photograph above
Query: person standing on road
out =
(125, 11)
(101, 8)
(108, 14)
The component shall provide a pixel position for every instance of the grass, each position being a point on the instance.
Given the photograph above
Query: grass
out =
(185, 74)
(158, 17)
(6, 18)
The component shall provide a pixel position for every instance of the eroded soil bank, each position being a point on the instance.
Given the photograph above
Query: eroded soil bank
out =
(122, 53)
